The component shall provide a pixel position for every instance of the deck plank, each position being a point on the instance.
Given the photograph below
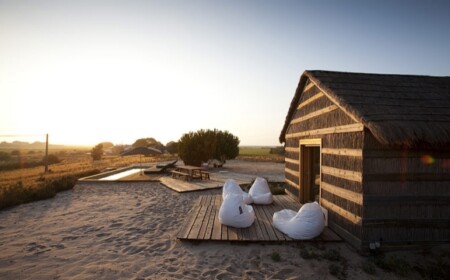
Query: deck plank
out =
(224, 230)
(212, 215)
(217, 226)
(268, 211)
(189, 222)
(205, 218)
(266, 225)
(261, 233)
(287, 202)
(198, 223)
(232, 233)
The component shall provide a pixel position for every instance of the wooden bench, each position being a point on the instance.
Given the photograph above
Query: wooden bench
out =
(205, 175)
(185, 176)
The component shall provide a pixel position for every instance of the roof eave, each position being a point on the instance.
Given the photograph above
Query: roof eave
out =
(293, 106)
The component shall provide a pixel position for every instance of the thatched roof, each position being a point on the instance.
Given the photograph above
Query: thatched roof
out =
(397, 109)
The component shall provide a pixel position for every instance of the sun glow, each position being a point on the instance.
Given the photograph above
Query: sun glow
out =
(86, 72)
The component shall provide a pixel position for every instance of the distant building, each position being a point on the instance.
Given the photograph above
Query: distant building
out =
(374, 150)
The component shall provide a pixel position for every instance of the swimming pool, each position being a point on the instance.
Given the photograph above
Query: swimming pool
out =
(121, 174)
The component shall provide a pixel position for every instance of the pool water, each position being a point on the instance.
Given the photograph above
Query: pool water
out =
(121, 174)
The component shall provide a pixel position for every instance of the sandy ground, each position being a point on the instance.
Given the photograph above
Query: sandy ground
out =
(128, 231)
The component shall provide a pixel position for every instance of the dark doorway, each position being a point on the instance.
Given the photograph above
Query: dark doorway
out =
(310, 172)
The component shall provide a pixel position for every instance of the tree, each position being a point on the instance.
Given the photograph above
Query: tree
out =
(203, 145)
(228, 146)
(4, 156)
(148, 142)
(107, 145)
(97, 152)
(51, 159)
(172, 147)
(118, 149)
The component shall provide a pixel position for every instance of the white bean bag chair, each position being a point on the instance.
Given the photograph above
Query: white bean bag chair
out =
(235, 213)
(260, 192)
(231, 186)
(307, 223)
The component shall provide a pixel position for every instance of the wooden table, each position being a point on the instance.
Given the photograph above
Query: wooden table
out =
(190, 172)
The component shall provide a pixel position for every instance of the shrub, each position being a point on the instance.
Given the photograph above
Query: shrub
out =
(307, 254)
(393, 264)
(172, 147)
(97, 152)
(17, 193)
(12, 195)
(51, 159)
(368, 267)
(148, 142)
(332, 255)
(17, 165)
(275, 256)
(434, 269)
(203, 145)
(334, 269)
(4, 156)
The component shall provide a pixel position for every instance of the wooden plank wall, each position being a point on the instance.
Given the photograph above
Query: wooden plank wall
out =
(406, 193)
(342, 143)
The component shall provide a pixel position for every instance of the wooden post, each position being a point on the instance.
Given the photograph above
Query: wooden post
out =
(46, 154)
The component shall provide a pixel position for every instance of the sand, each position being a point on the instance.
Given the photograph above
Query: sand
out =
(113, 230)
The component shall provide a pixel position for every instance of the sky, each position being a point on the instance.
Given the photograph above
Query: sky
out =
(86, 72)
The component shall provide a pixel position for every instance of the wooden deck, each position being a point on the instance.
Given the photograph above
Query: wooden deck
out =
(202, 223)
(181, 186)
(217, 180)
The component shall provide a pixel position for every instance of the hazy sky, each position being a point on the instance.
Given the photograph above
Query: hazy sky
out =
(93, 71)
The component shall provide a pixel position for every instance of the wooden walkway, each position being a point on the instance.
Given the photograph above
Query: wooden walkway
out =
(202, 223)
(181, 186)
(217, 180)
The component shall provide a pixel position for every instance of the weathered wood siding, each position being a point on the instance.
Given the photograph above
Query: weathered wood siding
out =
(342, 142)
(406, 193)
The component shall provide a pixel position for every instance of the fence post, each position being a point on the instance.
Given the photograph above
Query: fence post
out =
(46, 154)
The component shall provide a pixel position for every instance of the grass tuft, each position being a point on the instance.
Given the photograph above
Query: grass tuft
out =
(393, 264)
(17, 193)
(275, 256)
(332, 255)
(334, 269)
(309, 254)
(369, 267)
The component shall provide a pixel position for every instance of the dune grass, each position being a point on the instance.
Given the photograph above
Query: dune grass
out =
(31, 184)
(17, 193)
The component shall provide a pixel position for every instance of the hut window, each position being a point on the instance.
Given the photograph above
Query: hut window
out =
(310, 155)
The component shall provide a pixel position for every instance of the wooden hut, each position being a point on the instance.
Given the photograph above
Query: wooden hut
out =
(374, 150)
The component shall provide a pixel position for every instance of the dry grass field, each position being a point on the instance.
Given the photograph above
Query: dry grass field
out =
(259, 154)
(31, 177)
(29, 184)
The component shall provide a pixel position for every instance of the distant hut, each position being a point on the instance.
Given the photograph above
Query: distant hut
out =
(374, 150)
